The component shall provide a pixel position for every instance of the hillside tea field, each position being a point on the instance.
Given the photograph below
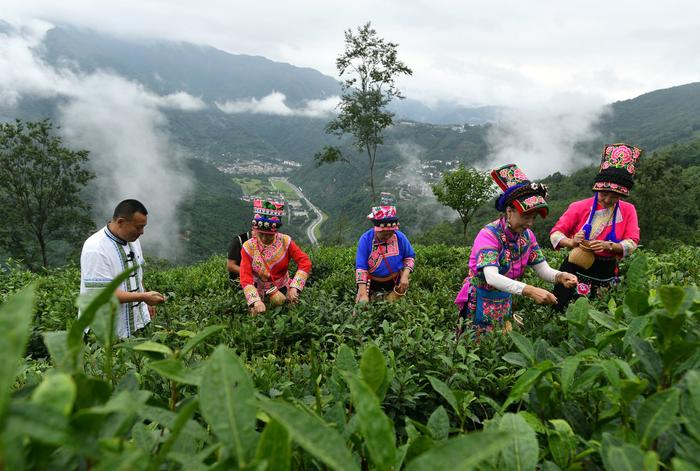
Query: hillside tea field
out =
(614, 384)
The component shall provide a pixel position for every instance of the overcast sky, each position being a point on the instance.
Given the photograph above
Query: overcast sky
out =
(473, 52)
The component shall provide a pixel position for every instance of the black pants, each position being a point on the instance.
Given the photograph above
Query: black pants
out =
(602, 273)
(382, 286)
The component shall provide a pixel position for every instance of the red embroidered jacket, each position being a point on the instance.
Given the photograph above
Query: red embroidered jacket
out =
(257, 260)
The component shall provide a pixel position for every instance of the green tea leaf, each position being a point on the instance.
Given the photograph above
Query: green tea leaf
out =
(651, 461)
(568, 371)
(622, 458)
(167, 418)
(155, 347)
(445, 391)
(577, 312)
(439, 424)
(57, 345)
(91, 391)
(671, 297)
(75, 335)
(657, 413)
(200, 337)
(373, 368)
(15, 319)
(377, 429)
(312, 434)
(612, 336)
(562, 442)
(461, 453)
(345, 360)
(587, 379)
(226, 396)
(40, 422)
(612, 373)
(175, 370)
(637, 274)
(522, 386)
(648, 357)
(275, 447)
(690, 408)
(636, 303)
(57, 391)
(516, 359)
(533, 421)
(524, 345)
(183, 416)
(606, 320)
(522, 451)
(636, 328)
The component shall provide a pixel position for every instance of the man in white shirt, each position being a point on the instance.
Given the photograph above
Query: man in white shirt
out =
(109, 252)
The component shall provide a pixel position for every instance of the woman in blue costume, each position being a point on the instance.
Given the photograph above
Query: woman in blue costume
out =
(385, 257)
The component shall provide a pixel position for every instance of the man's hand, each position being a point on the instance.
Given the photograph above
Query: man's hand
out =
(258, 308)
(539, 295)
(152, 312)
(569, 280)
(293, 295)
(403, 282)
(153, 297)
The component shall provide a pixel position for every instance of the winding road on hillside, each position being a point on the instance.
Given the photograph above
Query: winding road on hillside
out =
(319, 215)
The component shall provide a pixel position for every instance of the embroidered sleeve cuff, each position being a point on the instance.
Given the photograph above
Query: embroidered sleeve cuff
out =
(628, 246)
(408, 263)
(555, 238)
(536, 256)
(361, 276)
(486, 258)
(251, 294)
(299, 280)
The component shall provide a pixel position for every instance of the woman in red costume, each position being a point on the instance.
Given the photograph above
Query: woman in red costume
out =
(265, 260)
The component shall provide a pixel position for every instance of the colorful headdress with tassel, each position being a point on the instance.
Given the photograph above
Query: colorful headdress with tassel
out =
(519, 191)
(267, 215)
(384, 216)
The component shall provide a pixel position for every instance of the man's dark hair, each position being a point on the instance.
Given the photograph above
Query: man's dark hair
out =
(127, 208)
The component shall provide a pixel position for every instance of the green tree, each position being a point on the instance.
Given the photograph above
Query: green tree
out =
(666, 198)
(464, 190)
(367, 68)
(40, 184)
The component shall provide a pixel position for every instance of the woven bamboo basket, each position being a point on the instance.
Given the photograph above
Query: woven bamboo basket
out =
(582, 255)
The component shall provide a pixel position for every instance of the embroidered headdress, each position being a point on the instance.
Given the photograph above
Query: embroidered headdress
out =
(617, 168)
(267, 215)
(519, 191)
(384, 216)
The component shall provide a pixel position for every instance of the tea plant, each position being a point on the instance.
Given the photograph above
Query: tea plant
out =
(611, 384)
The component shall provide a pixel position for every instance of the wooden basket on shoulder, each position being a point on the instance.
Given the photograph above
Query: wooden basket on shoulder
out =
(582, 255)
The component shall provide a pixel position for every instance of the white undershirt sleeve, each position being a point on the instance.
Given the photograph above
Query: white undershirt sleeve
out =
(546, 272)
(502, 283)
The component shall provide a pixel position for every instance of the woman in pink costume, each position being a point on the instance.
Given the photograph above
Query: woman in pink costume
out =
(502, 251)
(607, 222)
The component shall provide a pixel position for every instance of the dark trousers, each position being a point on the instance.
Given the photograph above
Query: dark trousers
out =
(602, 273)
(382, 286)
